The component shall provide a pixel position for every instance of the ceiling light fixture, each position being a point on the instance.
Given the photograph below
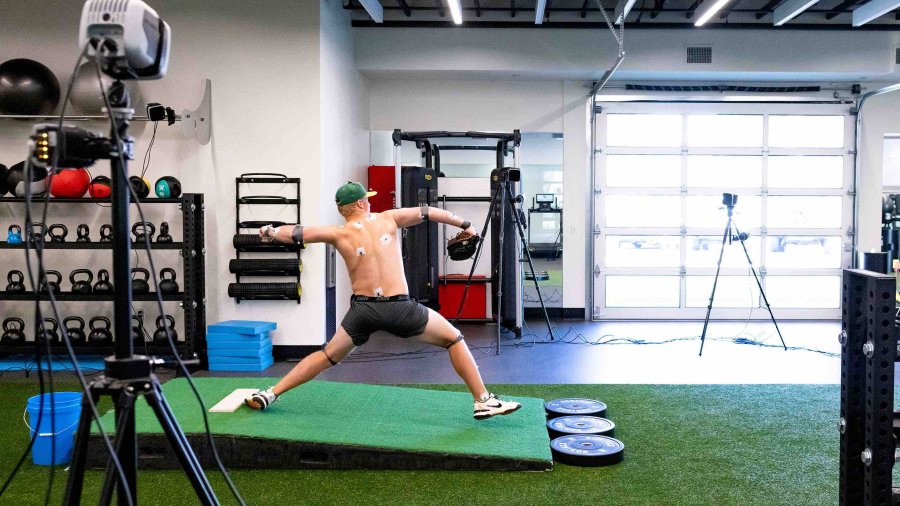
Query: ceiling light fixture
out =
(455, 11)
(716, 7)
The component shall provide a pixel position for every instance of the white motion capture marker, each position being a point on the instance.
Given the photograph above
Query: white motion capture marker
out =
(360, 251)
(379, 292)
(371, 217)
(385, 239)
(357, 224)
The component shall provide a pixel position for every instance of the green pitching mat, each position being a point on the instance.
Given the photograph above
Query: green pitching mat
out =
(328, 425)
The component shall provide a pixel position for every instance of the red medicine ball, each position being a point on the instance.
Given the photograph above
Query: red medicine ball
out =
(70, 183)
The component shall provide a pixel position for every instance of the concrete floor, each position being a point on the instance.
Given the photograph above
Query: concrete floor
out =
(571, 360)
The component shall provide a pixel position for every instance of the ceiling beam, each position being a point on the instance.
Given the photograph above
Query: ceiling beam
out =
(692, 9)
(657, 6)
(872, 10)
(622, 10)
(405, 7)
(374, 8)
(512, 8)
(767, 9)
(477, 8)
(791, 9)
(841, 8)
(440, 7)
(584, 8)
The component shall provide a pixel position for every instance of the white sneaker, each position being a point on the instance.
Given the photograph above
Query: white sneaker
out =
(492, 405)
(261, 400)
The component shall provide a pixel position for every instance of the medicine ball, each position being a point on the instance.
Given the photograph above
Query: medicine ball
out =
(27, 87)
(141, 186)
(16, 175)
(167, 187)
(70, 183)
(4, 188)
(100, 187)
(86, 96)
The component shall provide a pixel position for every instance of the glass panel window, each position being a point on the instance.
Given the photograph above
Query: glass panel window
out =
(806, 131)
(724, 131)
(643, 251)
(642, 291)
(646, 130)
(650, 171)
(804, 212)
(703, 251)
(803, 252)
(806, 171)
(804, 291)
(724, 171)
(643, 211)
(709, 212)
(731, 291)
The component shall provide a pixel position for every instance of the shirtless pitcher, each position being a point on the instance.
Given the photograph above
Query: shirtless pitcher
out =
(369, 245)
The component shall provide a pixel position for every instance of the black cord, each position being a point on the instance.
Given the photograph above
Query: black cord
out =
(146, 164)
(117, 142)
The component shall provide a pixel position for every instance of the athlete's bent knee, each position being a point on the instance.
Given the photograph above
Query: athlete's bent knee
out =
(458, 339)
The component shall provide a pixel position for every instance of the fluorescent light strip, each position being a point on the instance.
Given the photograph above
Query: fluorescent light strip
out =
(622, 10)
(539, 9)
(375, 10)
(455, 11)
(872, 10)
(791, 9)
(711, 12)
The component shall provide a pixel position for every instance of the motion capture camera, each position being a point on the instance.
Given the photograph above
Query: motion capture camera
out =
(510, 174)
(729, 199)
(72, 146)
(157, 112)
(743, 236)
(130, 37)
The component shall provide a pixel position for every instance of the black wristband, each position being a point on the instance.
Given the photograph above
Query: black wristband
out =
(465, 225)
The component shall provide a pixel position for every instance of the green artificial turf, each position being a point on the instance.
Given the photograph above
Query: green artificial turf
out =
(352, 414)
(684, 445)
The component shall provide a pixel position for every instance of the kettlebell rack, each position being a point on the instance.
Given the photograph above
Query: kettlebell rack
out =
(192, 293)
(251, 243)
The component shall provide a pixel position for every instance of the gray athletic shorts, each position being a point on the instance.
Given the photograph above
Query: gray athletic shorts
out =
(397, 314)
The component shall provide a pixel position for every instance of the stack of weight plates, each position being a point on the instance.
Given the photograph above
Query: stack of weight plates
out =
(580, 436)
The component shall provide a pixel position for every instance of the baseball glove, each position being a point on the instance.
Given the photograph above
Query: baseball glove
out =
(462, 246)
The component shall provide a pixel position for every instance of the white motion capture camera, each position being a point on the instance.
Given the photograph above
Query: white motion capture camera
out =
(131, 38)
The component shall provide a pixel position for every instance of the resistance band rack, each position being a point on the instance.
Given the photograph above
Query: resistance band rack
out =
(869, 427)
(251, 243)
(192, 295)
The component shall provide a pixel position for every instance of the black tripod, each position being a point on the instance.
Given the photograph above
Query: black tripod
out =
(730, 201)
(126, 375)
(504, 199)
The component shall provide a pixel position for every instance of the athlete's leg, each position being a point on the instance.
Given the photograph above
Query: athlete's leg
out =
(440, 332)
(336, 350)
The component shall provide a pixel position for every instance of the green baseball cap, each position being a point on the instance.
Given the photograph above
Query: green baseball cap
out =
(351, 192)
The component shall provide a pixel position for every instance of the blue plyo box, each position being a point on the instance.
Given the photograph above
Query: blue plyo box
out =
(250, 345)
(230, 366)
(215, 360)
(239, 352)
(240, 327)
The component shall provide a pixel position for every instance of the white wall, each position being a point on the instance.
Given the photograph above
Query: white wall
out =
(265, 67)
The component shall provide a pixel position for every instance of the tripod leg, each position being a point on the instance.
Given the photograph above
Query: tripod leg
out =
(475, 258)
(712, 295)
(500, 263)
(124, 409)
(761, 291)
(79, 455)
(180, 445)
(537, 287)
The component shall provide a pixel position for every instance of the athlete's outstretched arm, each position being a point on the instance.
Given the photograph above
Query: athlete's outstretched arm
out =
(298, 234)
(409, 216)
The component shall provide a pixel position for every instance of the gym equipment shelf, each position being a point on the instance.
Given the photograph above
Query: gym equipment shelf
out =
(192, 298)
(250, 243)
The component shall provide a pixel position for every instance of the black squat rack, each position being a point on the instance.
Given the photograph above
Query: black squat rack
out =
(251, 243)
(191, 295)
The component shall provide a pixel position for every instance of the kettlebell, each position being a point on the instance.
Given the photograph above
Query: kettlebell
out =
(164, 233)
(83, 232)
(37, 233)
(47, 331)
(14, 236)
(13, 331)
(16, 282)
(58, 232)
(142, 230)
(48, 284)
(74, 326)
(103, 286)
(137, 330)
(167, 284)
(83, 286)
(100, 334)
(163, 321)
(140, 285)
(106, 232)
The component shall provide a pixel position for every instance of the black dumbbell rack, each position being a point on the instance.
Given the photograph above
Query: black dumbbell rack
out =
(869, 427)
(246, 240)
(192, 284)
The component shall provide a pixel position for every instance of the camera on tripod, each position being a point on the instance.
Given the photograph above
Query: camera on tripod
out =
(729, 199)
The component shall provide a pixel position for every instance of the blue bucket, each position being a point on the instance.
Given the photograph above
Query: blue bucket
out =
(65, 409)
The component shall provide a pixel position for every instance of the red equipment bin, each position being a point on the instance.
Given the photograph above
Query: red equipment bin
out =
(450, 292)
(382, 180)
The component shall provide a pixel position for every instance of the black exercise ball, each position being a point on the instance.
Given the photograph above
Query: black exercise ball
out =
(27, 87)
(4, 188)
(16, 176)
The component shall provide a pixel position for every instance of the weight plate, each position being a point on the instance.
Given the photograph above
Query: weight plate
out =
(574, 406)
(569, 425)
(587, 450)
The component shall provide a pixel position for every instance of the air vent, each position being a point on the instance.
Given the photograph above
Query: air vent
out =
(724, 88)
(697, 54)
(897, 56)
